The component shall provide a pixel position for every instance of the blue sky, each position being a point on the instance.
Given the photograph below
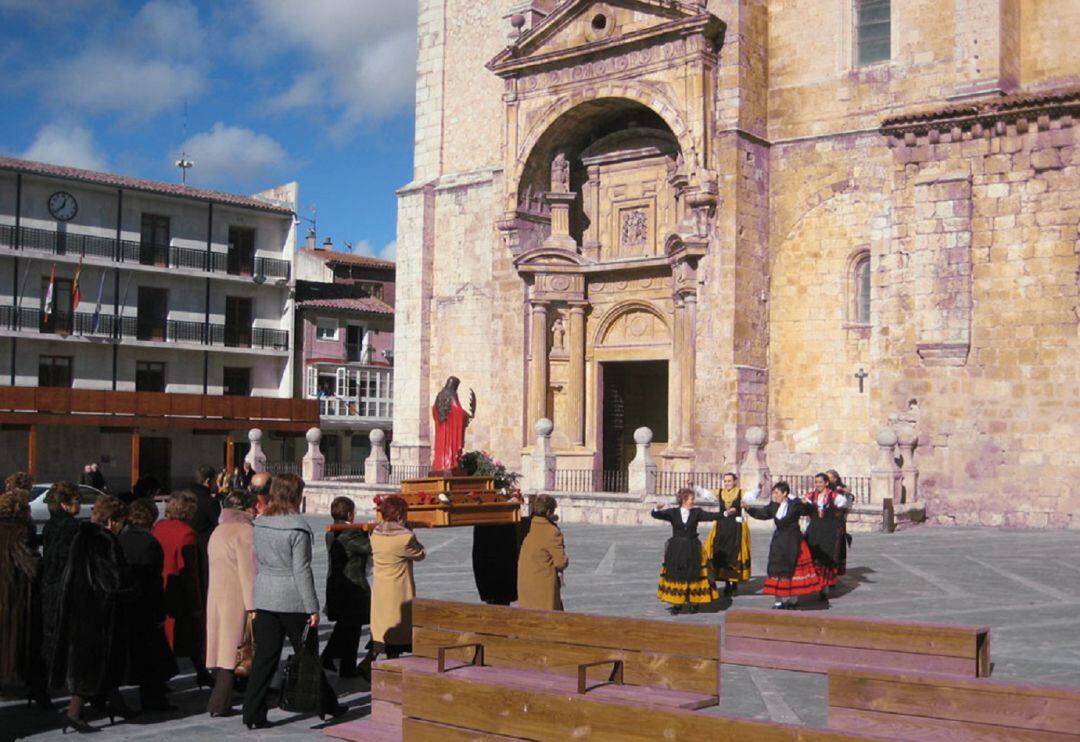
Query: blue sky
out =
(319, 91)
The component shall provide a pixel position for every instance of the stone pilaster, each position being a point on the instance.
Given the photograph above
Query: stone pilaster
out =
(538, 363)
(885, 475)
(575, 389)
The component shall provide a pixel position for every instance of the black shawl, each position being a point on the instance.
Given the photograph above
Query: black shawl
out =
(786, 540)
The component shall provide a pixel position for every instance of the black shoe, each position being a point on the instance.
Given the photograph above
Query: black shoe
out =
(204, 677)
(691, 608)
(222, 714)
(78, 725)
(41, 698)
(328, 662)
(734, 588)
(263, 724)
(340, 710)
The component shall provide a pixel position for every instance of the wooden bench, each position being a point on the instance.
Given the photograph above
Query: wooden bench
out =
(792, 640)
(626, 660)
(447, 708)
(934, 707)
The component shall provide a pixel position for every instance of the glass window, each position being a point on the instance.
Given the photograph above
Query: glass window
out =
(154, 240)
(862, 290)
(326, 329)
(872, 31)
(54, 371)
(149, 376)
(237, 382)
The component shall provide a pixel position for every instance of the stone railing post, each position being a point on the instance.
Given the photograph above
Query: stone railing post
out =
(642, 474)
(255, 455)
(377, 464)
(754, 472)
(885, 474)
(313, 467)
(907, 438)
(539, 474)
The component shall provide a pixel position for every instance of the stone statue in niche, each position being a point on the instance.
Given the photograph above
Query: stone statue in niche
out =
(558, 336)
(560, 174)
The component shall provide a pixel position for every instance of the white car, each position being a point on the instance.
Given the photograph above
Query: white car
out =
(39, 511)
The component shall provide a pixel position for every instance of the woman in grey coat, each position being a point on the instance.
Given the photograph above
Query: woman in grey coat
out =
(285, 597)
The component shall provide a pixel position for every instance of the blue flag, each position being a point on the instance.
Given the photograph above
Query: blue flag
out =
(97, 309)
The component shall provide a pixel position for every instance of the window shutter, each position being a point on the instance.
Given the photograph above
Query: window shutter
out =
(340, 382)
(312, 382)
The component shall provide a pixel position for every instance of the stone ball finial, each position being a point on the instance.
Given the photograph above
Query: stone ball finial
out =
(376, 436)
(755, 435)
(313, 435)
(517, 21)
(543, 427)
(907, 435)
(643, 436)
(254, 435)
(886, 437)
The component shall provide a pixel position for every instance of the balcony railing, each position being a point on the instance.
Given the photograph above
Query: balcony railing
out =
(32, 319)
(132, 251)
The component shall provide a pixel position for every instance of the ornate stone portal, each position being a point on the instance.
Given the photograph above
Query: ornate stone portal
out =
(610, 254)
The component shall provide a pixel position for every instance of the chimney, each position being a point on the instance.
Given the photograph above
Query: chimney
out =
(309, 242)
(328, 244)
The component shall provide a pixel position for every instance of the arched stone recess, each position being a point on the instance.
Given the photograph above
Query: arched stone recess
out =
(820, 412)
(632, 323)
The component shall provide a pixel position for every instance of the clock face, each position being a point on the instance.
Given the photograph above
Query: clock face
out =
(62, 205)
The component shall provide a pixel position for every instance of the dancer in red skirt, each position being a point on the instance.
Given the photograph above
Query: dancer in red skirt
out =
(826, 533)
(791, 570)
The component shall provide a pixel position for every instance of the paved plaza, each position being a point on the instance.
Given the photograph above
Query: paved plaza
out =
(1025, 585)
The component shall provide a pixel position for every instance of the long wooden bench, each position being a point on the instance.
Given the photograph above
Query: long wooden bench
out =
(934, 707)
(805, 642)
(628, 660)
(448, 707)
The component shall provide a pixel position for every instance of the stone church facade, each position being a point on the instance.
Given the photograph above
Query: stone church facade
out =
(703, 217)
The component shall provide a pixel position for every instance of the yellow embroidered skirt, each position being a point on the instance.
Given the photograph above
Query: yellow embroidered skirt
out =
(720, 542)
(684, 576)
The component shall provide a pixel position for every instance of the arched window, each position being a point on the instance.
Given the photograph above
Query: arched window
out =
(860, 293)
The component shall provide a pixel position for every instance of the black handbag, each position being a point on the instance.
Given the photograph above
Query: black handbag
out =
(301, 690)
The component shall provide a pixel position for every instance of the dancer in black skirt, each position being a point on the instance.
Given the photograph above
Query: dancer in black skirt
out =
(791, 570)
(826, 533)
(684, 577)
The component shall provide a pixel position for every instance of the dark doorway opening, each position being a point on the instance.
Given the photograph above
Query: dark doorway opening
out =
(635, 395)
(155, 460)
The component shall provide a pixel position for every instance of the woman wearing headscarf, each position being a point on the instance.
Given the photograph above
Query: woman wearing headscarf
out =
(232, 581)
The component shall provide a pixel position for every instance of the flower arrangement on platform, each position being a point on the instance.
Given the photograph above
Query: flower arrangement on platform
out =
(482, 464)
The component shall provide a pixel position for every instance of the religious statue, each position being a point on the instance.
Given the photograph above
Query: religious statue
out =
(451, 419)
(560, 174)
(558, 335)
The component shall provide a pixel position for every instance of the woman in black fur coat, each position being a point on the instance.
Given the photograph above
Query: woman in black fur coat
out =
(94, 587)
(56, 538)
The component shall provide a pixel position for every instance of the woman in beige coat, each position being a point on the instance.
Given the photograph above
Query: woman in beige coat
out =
(542, 559)
(232, 577)
(394, 548)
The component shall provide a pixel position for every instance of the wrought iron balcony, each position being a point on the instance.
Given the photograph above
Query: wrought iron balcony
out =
(81, 324)
(142, 253)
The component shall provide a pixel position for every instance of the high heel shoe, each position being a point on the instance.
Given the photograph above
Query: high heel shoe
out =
(118, 707)
(41, 698)
(203, 677)
(78, 725)
(340, 710)
(264, 724)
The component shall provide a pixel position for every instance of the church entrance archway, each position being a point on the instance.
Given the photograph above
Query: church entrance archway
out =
(634, 395)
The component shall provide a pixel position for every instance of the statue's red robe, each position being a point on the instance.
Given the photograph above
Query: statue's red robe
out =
(449, 437)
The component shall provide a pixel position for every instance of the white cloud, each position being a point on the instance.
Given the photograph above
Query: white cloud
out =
(365, 247)
(389, 252)
(151, 64)
(234, 155)
(66, 144)
(359, 56)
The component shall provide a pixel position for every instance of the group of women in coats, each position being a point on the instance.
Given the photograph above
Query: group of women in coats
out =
(799, 563)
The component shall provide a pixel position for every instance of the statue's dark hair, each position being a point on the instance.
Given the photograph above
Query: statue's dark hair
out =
(446, 398)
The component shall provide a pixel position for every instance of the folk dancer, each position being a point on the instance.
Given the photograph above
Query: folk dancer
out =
(684, 576)
(727, 548)
(791, 569)
(826, 533)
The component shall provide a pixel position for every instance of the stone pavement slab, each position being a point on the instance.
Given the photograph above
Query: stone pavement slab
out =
(1025, 585)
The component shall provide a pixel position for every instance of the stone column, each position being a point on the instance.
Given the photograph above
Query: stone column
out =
(538, 363)
(377, 465)
(906, 439)
(575, 389)
(688, 369)
(255, 455)
(642, 474)
(313, 467)
(885, 475)
(675, 375)
(754, 472)
(540, 464)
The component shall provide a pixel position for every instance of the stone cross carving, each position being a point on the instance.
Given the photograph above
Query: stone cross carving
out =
(860, 376)
(560, 174)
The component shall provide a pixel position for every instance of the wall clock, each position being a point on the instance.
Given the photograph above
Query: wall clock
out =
(62, 206)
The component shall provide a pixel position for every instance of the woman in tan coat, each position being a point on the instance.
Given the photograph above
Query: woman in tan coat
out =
(232, 577)
(542, 559)
(394, 548)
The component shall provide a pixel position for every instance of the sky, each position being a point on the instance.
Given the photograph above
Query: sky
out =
(255, 92)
